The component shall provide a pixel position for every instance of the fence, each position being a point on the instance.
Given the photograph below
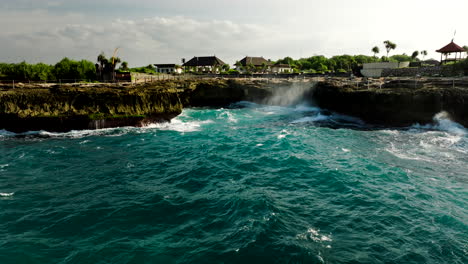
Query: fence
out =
(355, 83)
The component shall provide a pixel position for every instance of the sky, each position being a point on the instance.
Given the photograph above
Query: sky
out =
(156, 31)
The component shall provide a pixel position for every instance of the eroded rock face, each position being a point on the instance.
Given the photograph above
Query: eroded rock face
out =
(392, 105)
(69, 108)
(222, 92)
(74, 107)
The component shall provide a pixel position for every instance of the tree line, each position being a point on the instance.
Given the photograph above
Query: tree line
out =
(341, 63)
(66, 69)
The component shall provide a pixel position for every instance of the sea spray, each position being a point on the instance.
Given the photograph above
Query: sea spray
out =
(292, 94)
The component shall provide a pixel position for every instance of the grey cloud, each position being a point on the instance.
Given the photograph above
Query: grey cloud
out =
(149, 40)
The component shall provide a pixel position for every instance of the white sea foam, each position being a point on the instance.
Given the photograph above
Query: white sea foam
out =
(308, 119)
(227, 115)
(5, 133)
(435, 143)
(408, 155)
(283, 134)
(71, 134)
(6, 194)
(179, 125)
(314, 234)
(4, 166)
(442, 123)
(390, 132)
(306, 108)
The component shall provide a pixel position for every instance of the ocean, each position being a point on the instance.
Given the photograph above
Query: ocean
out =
(248, 183)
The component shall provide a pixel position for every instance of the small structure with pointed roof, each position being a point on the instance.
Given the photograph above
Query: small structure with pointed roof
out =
(204, 64)
(448, 49)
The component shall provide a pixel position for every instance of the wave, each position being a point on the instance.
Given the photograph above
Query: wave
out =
(333, 119)
(179, 125)
(306, 108)
(307, 119)
(6, 194)
(117, 131)
(442, 142)
(442, 122)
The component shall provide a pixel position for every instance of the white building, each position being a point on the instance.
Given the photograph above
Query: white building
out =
(168, 68)
(281, 68)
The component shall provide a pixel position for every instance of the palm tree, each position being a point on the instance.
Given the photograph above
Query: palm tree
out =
(415, 55)
(102, 64)
(251, 67)
(375, 50)
(102, 59)
(113, 62)
(124, 66)
(225, 67)
(238, 65)
(424, 54)
(264, 67)
(389, 46)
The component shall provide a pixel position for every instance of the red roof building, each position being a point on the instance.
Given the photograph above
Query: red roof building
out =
(450, 48)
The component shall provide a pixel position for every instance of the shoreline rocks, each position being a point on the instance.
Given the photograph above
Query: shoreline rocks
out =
(66, 108)
(397, 102)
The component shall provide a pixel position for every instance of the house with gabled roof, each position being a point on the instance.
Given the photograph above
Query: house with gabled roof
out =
(257, 64)
(204, 64)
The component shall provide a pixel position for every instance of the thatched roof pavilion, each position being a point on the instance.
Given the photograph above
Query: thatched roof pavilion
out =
(448, 49)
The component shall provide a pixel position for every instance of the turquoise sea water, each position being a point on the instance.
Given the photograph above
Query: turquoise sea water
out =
(247, 184)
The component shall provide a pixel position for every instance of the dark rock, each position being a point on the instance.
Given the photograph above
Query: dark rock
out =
(402, 105)
(70, 108)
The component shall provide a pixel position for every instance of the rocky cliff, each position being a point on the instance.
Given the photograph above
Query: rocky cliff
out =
(64, 108)
(396, 102)
(93, 106)
(69, 107)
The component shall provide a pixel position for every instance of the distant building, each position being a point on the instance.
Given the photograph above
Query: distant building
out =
(204, 64)
(431, 62)
(375, 69)
(448, 49)
(281, 68)
(168, 68)
(259, 63)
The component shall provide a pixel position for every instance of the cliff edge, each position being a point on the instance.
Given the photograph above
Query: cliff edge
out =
(65, 108)
(395, 102)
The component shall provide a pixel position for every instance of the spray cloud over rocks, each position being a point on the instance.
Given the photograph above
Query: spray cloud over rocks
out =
(293, 94)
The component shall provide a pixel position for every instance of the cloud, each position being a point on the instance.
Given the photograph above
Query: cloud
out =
(141, 42)
(54, 29)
